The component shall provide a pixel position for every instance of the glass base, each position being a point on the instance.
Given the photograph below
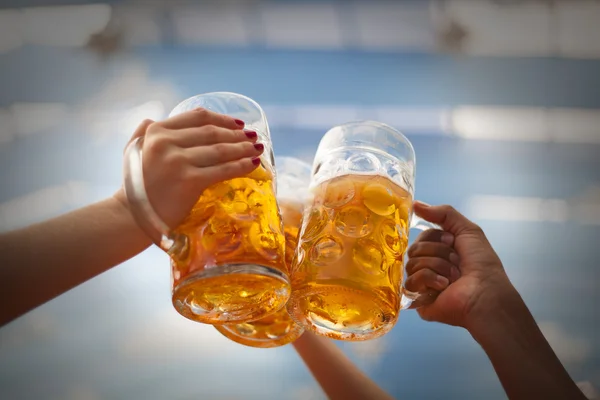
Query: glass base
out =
(231, 293)
(342, 313)
(253, 335)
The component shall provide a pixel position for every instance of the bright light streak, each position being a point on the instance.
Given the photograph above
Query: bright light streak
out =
(485, 123)
(527, 124)
(505, 208)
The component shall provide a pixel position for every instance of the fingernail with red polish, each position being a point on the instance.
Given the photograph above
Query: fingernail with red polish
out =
(240, 122)
(259, 146)
(256, 161)
(251, 134)
(447, 238)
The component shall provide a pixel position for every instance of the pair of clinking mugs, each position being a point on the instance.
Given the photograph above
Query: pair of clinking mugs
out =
(291, 247)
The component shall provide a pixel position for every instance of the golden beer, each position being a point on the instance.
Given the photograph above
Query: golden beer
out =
(276, 329)
(347, 273)
(234, 226)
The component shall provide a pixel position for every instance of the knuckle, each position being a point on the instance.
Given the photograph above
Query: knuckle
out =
(158, 143)
(154, 127)
(440, 266)
(410, 285)
(476, 228)
(233, 169)
(430, 235)
(200, 116)
(175, 160)
(414, 249)
(200, 112)
(211, 130)
(222, 150)
(448, 209)
(410, 266)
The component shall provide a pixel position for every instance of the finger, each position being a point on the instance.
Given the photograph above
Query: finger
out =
(426, 313)
(447, 217)
(425, 298)
(140, 130)
(425, 279)
(222, 172)
(201, 117)
(211, 134)
(435, 235)
(439, 265)
(220, 153)
(432, 249)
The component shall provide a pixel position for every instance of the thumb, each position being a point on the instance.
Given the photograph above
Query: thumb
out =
(445, 216)
(140, 130)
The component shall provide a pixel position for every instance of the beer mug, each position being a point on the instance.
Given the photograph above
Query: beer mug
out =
(293, 178)
(348, 270)
(227, 257)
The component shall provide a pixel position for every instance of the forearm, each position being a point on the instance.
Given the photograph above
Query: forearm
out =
(45, 260)
(524, 361)
(337, 375)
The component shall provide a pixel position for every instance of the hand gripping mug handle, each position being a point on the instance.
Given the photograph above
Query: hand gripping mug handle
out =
(408, 297)
(141, 209)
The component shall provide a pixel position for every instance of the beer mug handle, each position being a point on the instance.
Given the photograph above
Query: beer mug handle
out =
(408, 297)
(140, 206)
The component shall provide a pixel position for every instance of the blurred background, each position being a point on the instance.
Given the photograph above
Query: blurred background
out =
(501, 100)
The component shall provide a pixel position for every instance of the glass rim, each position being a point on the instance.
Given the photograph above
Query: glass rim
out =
(220, 94)
(366, 122)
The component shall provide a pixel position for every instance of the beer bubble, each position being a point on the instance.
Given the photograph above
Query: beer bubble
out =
(279, 329)
(326, 250)
(379, 199)
(265, 242)
(369, 256)
(221, 236)
(353, 221)
(338, 192)
(198, 304)
(392, 237)
(245, 329)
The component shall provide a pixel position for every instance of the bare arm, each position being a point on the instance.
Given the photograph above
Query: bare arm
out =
(40, 262)
(337, 375)
(482, 299)
(524, 361)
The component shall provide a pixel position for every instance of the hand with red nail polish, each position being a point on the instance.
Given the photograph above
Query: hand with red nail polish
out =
(189, 152)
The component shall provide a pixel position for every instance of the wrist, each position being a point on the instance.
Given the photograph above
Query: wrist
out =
(493, 308)
(121, 207)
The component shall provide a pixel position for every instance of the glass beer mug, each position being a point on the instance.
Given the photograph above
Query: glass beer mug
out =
(227, 257)
(293, 178)
(348, 270)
